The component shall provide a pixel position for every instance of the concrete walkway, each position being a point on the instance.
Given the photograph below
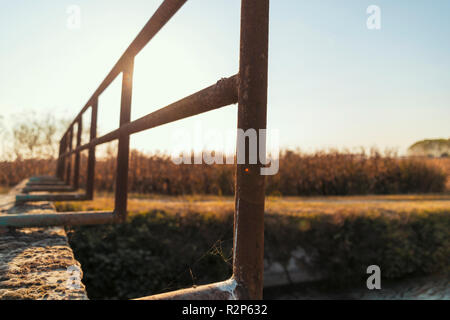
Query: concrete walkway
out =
(36, 263)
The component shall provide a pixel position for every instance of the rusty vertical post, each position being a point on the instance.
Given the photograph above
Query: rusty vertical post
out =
(58, 161)
(76, 174)
(63, 159)
(248, 261)
(69, 158)
(91, 156)
(124, 143)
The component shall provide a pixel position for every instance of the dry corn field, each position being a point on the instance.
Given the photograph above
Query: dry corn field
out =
(443, 164)
(319, 174)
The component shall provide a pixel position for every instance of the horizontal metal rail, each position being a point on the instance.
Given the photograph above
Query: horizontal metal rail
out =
(162, 15)
(38, 183)
(221, 94)
(43, 179)
(22, 198)
(57, 219)
(48, 188)
(225, 290)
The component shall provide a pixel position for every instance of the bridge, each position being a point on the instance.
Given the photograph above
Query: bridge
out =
(248, 88)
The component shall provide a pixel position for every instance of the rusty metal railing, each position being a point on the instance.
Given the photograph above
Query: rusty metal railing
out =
(248, 88)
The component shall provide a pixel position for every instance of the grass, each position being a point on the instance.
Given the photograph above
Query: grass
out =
(139, 204)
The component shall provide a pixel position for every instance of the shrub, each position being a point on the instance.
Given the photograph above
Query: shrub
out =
(343, 245)
(13, 172)
(152, 253)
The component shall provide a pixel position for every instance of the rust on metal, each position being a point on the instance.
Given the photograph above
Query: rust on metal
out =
(69, 159)
(76, 174)
(121, 192)
(48, 188)
(225, 290)
(22, 198)
(62, 160)
(42, 178)
(161, 16)
(221, 94)
(59, 165)
(45, 183)
(248, 261)
(91, 155)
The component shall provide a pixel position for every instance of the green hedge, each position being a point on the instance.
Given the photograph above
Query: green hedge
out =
(152, 253)
(343, 245)
(158, 252)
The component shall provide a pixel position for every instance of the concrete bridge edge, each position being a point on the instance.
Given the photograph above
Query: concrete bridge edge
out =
(37, 263)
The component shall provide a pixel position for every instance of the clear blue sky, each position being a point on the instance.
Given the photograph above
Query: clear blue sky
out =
(332, 81)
